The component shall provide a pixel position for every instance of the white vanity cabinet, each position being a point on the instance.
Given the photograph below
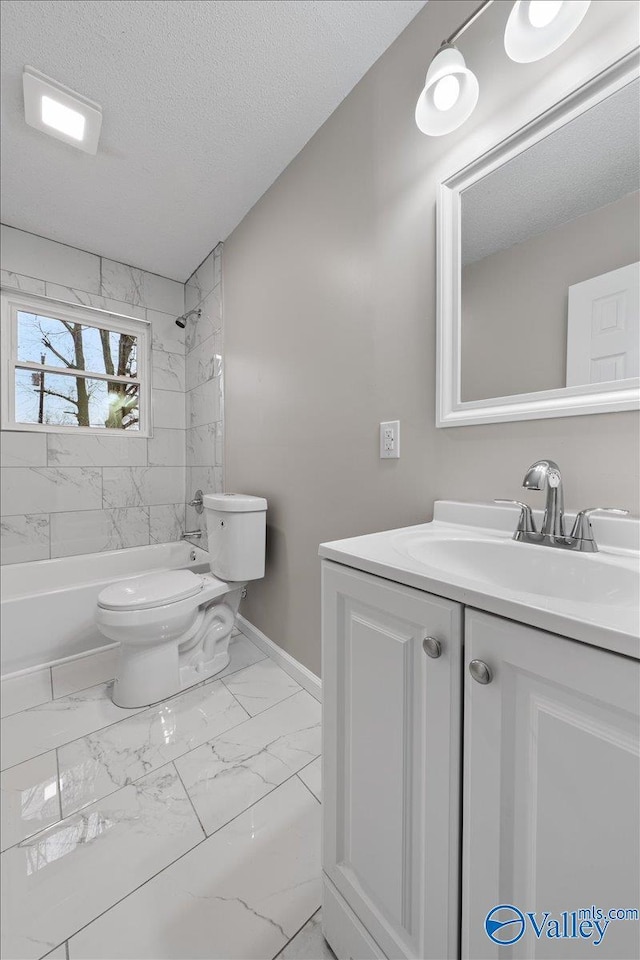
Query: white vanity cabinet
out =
(392, 731)
(551, 788)
(548, 772)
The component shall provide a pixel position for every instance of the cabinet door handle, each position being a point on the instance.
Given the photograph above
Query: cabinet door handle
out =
(480, 671)
(432, 647)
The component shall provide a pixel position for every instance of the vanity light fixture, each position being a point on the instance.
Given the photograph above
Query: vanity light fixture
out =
(451, 90)
(55, 109)
(535, 29)
(450, 93)
(538, 27)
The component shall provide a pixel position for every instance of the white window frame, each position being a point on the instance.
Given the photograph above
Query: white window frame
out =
(16, 301)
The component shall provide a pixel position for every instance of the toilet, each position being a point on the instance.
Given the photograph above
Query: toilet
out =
(174, 626)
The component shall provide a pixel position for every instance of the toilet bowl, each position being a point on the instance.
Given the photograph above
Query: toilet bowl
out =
(174, 626)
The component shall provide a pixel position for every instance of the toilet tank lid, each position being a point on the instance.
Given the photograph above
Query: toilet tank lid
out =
(235, 503)
(150, 590)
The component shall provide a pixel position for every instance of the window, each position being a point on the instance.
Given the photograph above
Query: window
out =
(69, 368)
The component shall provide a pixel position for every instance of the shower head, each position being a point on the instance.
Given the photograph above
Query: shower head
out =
(182, 321)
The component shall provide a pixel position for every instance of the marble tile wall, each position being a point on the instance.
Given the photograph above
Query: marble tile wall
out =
(65, 494)
(204, 384)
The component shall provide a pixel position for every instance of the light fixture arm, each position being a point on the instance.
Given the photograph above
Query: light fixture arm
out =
(467, 23)
(451, 89)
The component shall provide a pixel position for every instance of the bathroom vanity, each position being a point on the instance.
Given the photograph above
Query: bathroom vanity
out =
(481, 696)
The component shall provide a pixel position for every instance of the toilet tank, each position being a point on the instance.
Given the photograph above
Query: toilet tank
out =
(236, 530)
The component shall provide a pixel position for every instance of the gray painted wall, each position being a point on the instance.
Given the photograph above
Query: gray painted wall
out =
(330, 321)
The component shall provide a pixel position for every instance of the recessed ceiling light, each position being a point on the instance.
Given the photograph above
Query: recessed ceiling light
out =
(51, 107)
(62, 118)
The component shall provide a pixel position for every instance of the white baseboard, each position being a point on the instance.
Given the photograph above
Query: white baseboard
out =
(311, 683)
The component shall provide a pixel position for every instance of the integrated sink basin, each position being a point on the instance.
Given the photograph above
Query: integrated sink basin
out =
(583, 578)
(467, 554)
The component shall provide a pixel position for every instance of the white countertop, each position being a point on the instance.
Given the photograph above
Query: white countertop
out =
(590, 617)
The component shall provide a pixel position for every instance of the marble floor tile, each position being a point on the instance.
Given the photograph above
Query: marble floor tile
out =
(261, 686)
(242, 653)
(98, 764)
(49, 725)
(66, 876)
(60, 953)
(227, 775)
(311, 775)
(85, 672)
(309, 943)
(30, 799)
(242, 893)
(29, 690)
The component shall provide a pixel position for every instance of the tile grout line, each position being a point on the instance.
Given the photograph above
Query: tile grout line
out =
(138, 712)
(309, 763)
(134, 711)
(297, 932)
(177, 859)
(251, 715)
(59, 785)
(306, 785)
(172, 762)
(189, 797)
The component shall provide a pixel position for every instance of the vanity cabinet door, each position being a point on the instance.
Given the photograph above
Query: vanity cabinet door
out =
(391, 759)
(551, 795)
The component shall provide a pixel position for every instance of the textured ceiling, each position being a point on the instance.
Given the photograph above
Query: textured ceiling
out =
(204, 104)
(591, 161)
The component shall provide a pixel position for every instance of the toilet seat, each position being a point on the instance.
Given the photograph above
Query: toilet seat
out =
(153, 590)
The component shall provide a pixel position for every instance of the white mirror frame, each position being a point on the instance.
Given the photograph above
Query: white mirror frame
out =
(451, 411)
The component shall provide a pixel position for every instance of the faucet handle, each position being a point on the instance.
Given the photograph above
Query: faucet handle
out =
(582, 529)
(526, 522)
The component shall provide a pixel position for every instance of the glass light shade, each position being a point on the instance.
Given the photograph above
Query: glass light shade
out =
(542, 12)
(446, 92)
(533, 33)
(444, 106)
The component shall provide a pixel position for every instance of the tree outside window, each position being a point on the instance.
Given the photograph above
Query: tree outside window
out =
(68, 398)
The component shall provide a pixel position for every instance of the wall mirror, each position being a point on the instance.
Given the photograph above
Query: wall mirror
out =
(538, 272)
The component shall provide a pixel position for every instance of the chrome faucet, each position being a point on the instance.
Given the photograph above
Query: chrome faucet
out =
(539, 474)
(546, 473)
(192, 534)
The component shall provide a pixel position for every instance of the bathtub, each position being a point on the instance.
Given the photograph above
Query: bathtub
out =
(47, 606)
